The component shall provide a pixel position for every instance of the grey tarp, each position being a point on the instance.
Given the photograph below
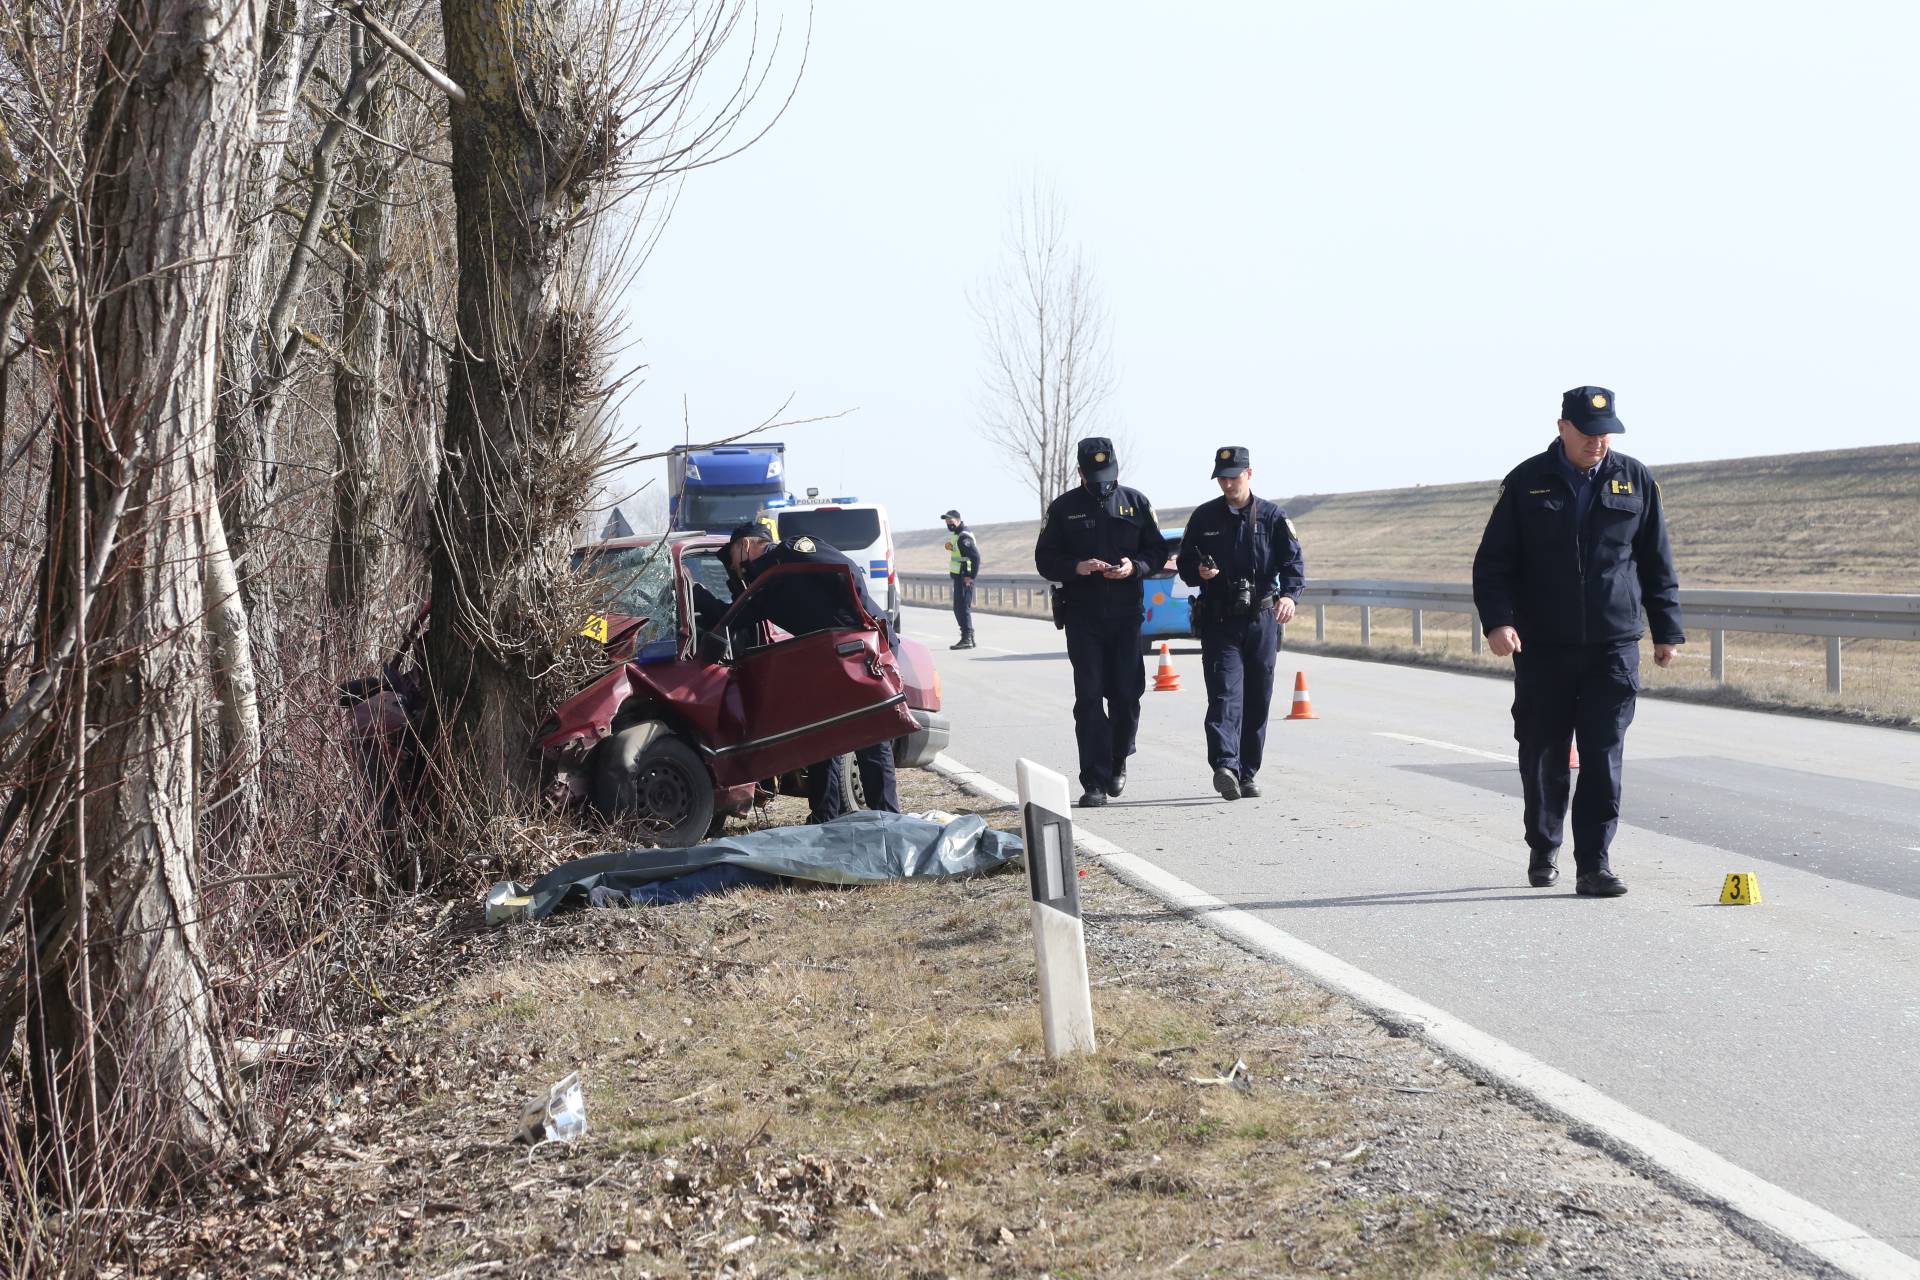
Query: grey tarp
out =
(864, 847)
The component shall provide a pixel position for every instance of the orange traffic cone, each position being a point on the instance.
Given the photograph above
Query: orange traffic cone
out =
(1167, 680)
(1302, 704)
(1573, 755)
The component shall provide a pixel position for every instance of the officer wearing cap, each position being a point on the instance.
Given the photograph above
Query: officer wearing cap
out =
(1575, 549)
(963, 566)
(1243, 554)
(1098, 542)
(799, 604)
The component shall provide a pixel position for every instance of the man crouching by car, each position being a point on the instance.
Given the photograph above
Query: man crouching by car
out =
(805, 603)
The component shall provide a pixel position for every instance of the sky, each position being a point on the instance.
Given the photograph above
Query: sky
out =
(1371, 241)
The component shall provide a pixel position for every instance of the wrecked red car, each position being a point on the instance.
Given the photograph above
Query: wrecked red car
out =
(690, 720)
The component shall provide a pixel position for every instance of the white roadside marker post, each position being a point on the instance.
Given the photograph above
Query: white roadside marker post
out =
(1059, 943)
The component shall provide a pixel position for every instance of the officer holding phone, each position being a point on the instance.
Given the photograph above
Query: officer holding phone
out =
(1241, 551)
(1099, 539)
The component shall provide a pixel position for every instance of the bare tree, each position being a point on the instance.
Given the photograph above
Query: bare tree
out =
(1049, 367)
(565, 109)
(122, 1016)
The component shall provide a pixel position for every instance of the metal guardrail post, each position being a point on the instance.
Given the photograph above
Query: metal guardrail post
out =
(1717, 661)
(1833, 664)
(1419, 633)
(1475, 628)
(1366, 625)
(1320, 623)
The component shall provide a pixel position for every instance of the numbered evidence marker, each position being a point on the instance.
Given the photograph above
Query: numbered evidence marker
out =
(1059, 943)
(1741, 889)
(596, 628)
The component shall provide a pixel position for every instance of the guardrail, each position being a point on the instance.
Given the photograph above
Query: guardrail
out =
(1831, 614)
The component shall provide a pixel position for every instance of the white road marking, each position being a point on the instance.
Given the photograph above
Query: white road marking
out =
(1804, 1224)
(1509, 758)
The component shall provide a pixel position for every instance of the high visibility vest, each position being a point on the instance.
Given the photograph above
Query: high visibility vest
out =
(956, 563)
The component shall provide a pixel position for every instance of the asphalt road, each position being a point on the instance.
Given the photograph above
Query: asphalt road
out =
(1784, 1036)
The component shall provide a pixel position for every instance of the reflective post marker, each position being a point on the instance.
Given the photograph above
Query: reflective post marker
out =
(1059, 942)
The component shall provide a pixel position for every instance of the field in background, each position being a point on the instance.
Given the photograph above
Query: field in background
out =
(1846, 520)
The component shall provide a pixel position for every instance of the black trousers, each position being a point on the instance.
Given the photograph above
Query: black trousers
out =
(1237, 657)
(1108, 679)
(1566, 694)
(825, 798)
(963, 603)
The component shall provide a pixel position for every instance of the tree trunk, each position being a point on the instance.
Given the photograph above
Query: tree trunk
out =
(125, 1013)
(247, 472)
(520, 385)
(354, 553)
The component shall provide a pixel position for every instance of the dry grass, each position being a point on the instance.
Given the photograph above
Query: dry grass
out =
(1846, 520)
(850, 1083)
(1880, 678)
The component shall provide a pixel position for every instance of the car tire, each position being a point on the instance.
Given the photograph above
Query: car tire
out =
(648, 776)
(852, 794)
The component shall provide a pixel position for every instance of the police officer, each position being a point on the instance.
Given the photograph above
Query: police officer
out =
(799, 604)
(1241, 551)
(1575, 548)
(963, 566)
(1099, 541)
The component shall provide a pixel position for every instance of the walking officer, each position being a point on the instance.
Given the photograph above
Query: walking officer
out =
(799, 605)
(1575, 548)
(1099, 541)
(963, 566)
(1242, 553)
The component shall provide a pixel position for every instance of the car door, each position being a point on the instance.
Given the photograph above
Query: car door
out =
(803, 699)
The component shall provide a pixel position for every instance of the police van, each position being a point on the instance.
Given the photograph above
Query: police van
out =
(859, 530)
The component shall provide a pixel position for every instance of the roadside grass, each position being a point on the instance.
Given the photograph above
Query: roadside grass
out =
(826, 1082)
(1880, 679)
(789, 1080)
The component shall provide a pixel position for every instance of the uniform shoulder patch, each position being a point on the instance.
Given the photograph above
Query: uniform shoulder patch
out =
(804, 545)
(1291, 531)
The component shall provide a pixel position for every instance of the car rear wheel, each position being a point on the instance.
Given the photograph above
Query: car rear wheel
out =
(852, 794)
(648, 776)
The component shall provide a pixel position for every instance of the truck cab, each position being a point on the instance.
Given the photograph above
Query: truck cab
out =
(710, 489)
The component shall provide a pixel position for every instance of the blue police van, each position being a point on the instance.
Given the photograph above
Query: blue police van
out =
(1167, 600)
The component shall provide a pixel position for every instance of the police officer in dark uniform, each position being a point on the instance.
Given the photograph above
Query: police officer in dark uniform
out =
(1575, 548)
(1242, 553)
(963, 566)
(803, 603)
(1099, 541)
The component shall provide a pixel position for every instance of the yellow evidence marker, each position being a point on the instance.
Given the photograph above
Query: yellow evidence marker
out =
(1741, 889)
(596, 628)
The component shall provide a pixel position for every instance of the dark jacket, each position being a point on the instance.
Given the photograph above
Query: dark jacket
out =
(1081, 525)
(1259, 545)
(805, 602)
(1559, 580)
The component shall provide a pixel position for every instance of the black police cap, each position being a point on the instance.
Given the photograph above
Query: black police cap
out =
(743, 531)
(950, 514)
(1097, 459)
(1591, 410)
(1231, 460)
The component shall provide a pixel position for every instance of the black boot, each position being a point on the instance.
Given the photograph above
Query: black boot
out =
(1542, 871)
(965, 642)
(1596, 879)
(1227, 783)
(1118, 783)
